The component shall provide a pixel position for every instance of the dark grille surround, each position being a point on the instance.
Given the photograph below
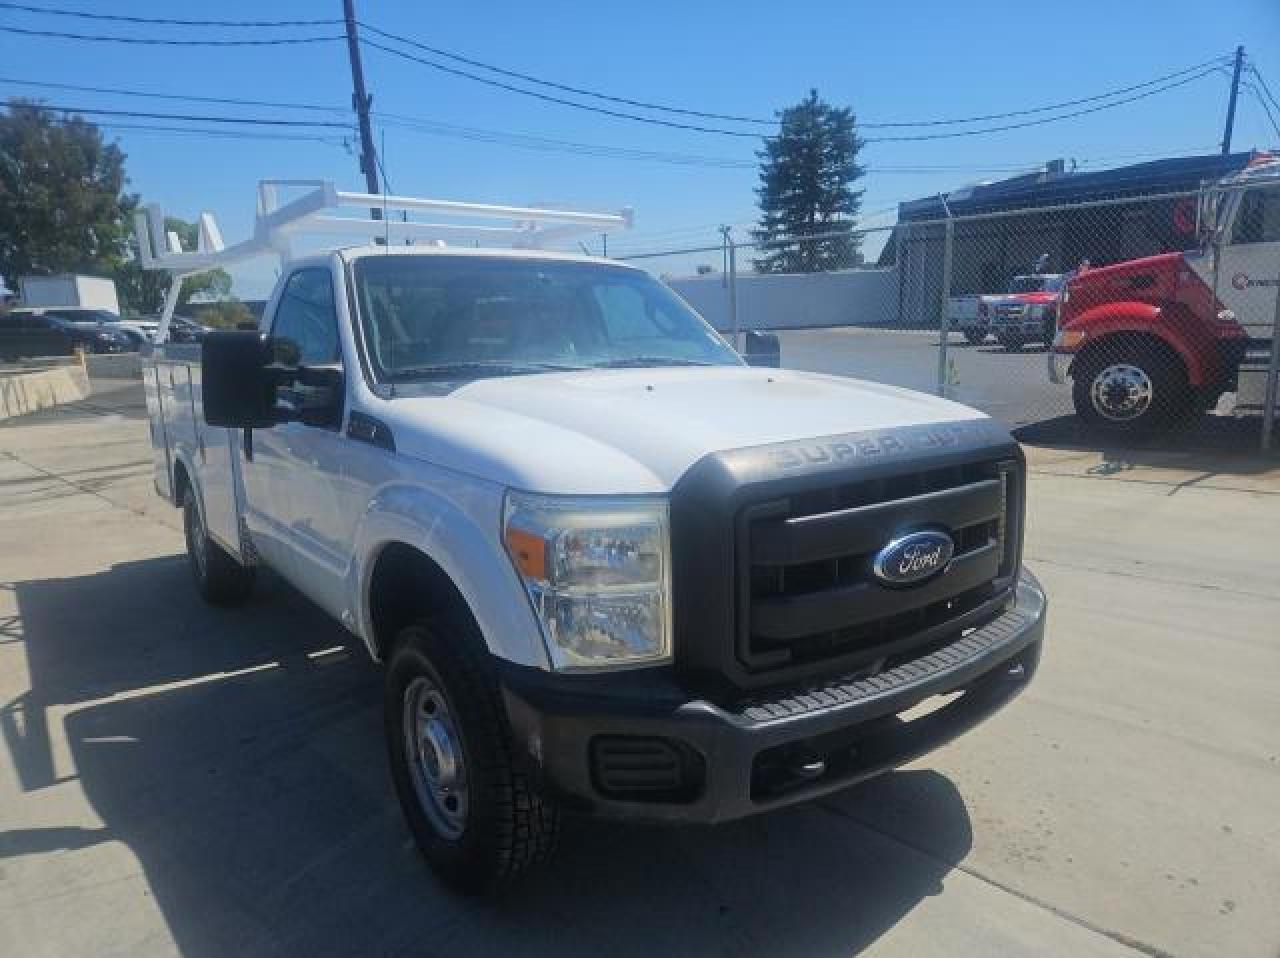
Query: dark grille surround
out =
(796, 527)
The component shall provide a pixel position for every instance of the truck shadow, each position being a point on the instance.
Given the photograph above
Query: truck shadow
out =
(1210, 445)
(238, 757)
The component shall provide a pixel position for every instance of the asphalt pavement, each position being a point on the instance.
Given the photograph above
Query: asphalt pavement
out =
(176, 779)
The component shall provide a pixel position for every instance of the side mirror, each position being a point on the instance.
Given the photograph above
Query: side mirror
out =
(236, 383)
(762, 349)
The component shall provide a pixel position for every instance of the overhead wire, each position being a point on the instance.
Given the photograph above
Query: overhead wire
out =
(252, 121)
(162, 21)
(120, 91)
(165, 42)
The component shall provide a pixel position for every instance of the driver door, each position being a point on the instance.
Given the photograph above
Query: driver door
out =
(1249, 273)
(293, 473)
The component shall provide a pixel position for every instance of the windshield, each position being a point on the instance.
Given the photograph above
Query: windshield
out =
(452, 316)
(1036, 284)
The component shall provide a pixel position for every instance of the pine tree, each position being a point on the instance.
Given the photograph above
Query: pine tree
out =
(807, 174)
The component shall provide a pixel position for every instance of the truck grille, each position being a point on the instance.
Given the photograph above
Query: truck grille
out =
(806, 592)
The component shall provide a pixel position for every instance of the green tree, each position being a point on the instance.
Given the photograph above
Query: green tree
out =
(224, 314)
(143, 290)
(807, 174)
(62, 202)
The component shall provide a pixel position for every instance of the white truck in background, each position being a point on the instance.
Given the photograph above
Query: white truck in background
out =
(609, 568)
(970, 315)
(69, 291)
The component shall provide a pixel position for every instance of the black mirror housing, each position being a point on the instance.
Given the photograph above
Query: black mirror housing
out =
(762, 349)
(237, 388)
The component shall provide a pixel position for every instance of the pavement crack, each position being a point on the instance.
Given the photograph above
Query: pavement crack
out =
(1120, 938)
(83, 487)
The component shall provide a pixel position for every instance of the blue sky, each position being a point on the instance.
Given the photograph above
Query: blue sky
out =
(926, 60)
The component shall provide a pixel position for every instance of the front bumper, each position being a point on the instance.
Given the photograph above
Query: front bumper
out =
(1059, 366)
(770, 750)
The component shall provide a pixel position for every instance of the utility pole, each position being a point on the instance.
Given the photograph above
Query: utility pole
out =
(361, 100)
(1231, 103)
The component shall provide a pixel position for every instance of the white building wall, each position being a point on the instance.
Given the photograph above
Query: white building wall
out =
(863, 297)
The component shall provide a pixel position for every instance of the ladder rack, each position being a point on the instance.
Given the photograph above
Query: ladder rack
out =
(317, 211)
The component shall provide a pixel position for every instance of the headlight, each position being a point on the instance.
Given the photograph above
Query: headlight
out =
(597, 571)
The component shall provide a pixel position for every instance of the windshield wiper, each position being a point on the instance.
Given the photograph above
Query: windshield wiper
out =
(639, 361)
(491, 367)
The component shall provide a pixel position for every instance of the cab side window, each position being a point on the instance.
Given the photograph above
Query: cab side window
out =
(306, 315)
(1259, 218)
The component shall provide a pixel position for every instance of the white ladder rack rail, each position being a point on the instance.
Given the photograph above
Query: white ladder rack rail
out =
(276, 226)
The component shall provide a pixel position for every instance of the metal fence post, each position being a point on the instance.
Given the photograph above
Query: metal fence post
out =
(733, 288)
(1273, 380)
(944, 330)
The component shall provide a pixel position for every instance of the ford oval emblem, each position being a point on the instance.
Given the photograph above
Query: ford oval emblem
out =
(913, 558)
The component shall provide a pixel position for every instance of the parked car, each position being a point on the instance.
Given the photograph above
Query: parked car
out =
(138, 331)
(182, 329)
(26, 333)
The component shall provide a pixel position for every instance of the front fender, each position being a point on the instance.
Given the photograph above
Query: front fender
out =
(1171, 323)
(460, 533)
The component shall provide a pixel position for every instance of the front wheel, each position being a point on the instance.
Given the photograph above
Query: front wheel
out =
(220, 579)
(1130, 389)
(473, 810)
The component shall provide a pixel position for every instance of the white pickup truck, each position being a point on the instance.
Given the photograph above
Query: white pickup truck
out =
(608, 567)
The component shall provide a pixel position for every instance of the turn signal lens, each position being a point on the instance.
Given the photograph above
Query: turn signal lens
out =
(528, 552)
(1069, 340)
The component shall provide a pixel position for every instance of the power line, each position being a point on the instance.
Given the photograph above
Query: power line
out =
(254, 121)
(163, 21)
(155, 41)
(1048, 107)
(555, 99)
(1257, 75)
(1049, 119)
(172, 96)
(229, 134)
(1257, 94)
(529, 78)
(737, 133)
(581, 91)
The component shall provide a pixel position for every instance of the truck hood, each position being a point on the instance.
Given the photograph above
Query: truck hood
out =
(639, 430)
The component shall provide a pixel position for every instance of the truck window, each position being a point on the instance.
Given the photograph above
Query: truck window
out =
(1259, 218)
(306, 315)
(424, 315)
(624, 313)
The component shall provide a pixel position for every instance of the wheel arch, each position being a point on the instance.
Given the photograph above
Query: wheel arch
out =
(439, 551)
(1164, 326)
(404, 585)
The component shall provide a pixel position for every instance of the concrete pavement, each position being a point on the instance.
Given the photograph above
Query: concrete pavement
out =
(177, 779)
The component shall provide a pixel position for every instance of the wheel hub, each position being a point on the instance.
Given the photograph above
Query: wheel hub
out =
(436, 760)
(1121, 392)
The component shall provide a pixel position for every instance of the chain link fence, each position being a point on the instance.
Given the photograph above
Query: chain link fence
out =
(1163, 308)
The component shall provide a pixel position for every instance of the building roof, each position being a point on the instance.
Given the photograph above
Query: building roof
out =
(1049, 187)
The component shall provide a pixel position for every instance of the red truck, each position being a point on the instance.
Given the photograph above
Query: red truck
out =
(1151, 341)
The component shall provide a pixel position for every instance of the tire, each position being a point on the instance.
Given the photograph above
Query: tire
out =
(220, 579)
(1130, 389)
(475, 814)
(1011, 344)
(974, 336)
